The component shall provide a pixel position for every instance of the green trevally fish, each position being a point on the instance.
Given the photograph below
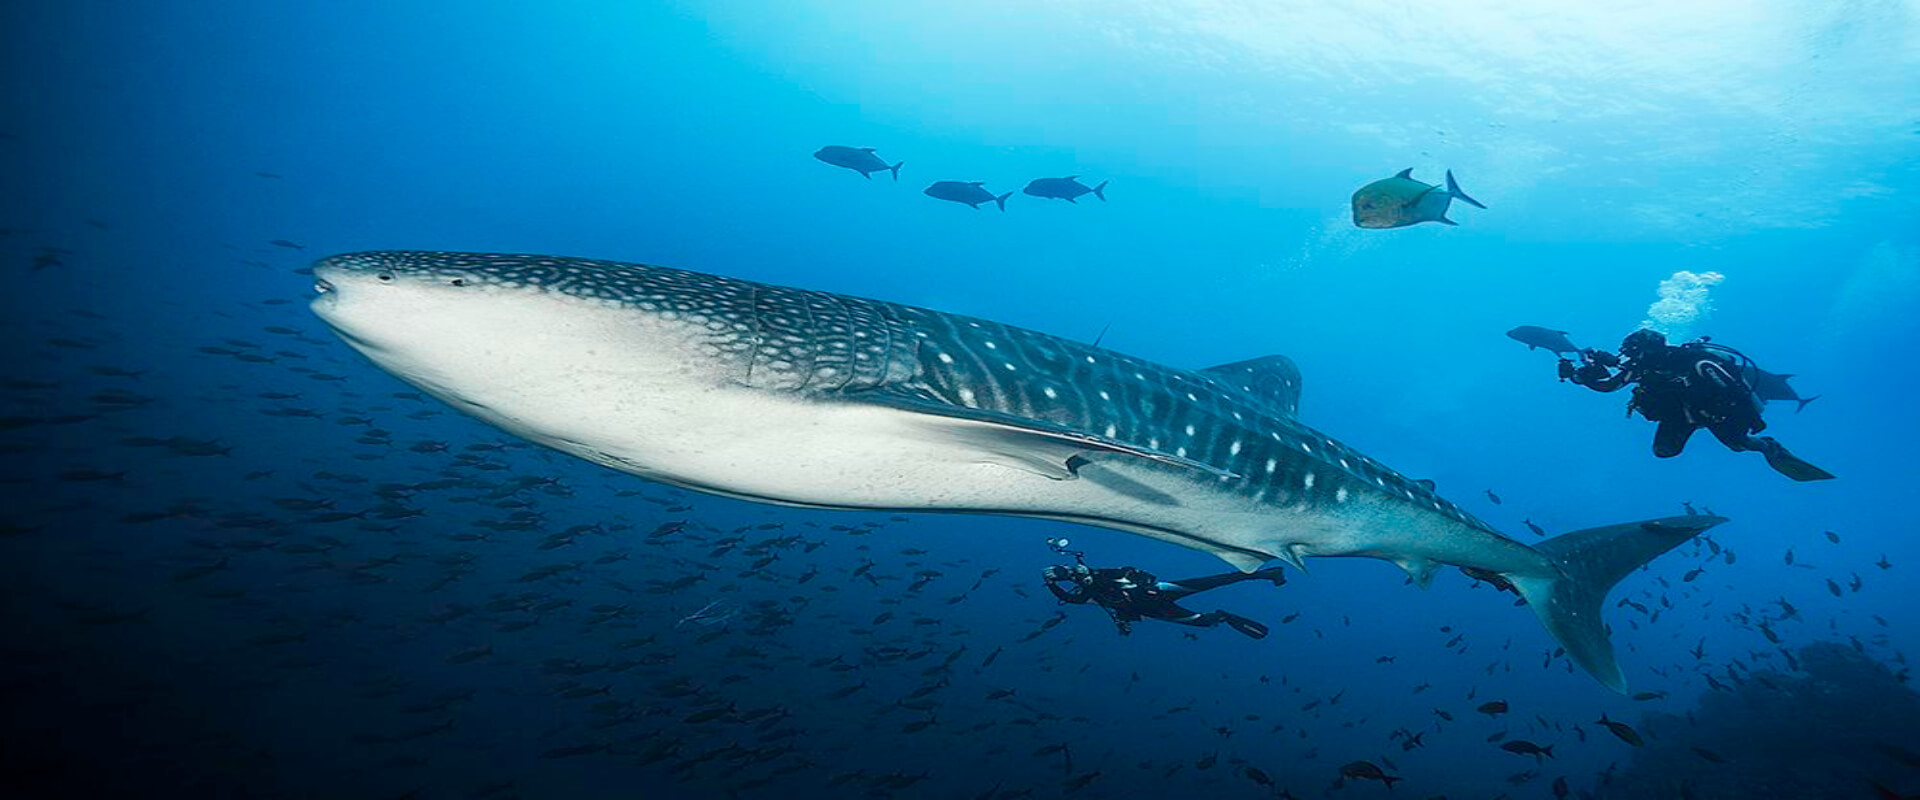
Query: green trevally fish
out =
(1400, 201)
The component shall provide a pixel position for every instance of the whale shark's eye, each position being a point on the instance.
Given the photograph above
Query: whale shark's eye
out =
(385, 277)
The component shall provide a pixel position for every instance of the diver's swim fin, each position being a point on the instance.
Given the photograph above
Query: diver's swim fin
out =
(1242, 624)
(1276, 574)
(1791, 466)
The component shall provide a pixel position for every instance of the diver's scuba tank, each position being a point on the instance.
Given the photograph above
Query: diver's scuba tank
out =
(1733, 374)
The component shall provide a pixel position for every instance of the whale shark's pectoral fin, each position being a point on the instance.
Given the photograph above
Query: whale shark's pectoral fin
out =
(1036, 446)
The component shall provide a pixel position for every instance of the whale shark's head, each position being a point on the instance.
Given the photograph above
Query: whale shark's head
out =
(509, 337)
(383, 303)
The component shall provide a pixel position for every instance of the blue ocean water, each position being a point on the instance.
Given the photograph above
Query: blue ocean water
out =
(238, 560)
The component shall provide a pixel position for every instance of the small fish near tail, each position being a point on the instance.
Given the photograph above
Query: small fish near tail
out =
(1101, 191)
(1001, 201)
(1453, 188)
(1589, 563)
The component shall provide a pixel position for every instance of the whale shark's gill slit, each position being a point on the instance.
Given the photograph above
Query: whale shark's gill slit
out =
(851, 352)
(753, 313)
(812, 350)
(886, 345)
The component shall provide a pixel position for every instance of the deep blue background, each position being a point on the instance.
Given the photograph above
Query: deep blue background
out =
(1614, 146)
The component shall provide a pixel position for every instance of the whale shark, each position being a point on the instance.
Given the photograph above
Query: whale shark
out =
(814, 399)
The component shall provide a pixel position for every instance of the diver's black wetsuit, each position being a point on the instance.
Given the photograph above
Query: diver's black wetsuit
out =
(1131, 594)
(1684, 389)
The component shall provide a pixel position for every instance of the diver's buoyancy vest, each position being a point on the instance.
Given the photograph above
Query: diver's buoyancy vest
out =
(1700, 382)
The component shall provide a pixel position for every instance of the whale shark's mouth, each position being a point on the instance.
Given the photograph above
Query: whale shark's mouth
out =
(326, 297)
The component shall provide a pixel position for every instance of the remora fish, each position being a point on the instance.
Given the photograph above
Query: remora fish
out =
(813, 399)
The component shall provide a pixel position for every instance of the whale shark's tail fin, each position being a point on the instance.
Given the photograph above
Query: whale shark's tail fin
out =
(1805, 400)
(895, 169)
(1590, 562)
(1101, 191)
(1002, 200)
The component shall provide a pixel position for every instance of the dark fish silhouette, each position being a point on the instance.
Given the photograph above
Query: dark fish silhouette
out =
(50, 257)
(858, 159)
(1367, 770)
(1522, 747)
(1066, 188)
(1400, 201)
(1534, 336)
(1771, 386)
(969, 193)
(1622, 730)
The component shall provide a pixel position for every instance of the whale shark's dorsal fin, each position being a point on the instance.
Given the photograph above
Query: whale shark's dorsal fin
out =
(1274, 379)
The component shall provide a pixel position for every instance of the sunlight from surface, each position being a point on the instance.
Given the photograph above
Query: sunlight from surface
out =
(1777, 96)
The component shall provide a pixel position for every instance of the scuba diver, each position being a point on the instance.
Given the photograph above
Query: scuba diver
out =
(1129, 594)
(1685, 388)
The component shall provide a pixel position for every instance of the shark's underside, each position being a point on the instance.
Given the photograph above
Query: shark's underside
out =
(811, 398)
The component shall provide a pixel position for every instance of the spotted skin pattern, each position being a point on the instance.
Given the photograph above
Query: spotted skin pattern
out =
(1237, 418)
(823, 400)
